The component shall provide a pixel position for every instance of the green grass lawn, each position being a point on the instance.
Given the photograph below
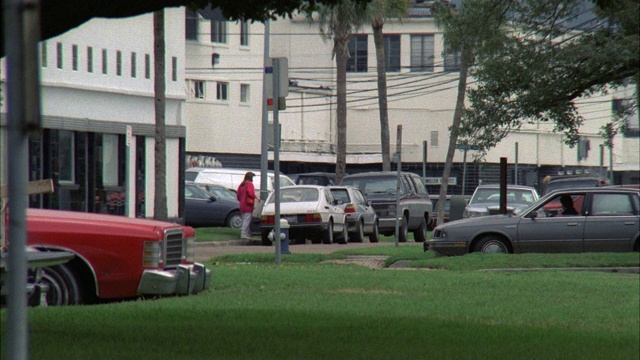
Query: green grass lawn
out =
(309, 309)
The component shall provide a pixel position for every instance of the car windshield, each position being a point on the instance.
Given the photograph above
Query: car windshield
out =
(297, 194)
(374, 185)
(341, 195)
(492, 196)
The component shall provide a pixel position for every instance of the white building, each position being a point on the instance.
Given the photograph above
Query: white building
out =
(224, 106)
(99, 119)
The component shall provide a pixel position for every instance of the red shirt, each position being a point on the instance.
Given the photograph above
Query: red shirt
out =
(246, 190)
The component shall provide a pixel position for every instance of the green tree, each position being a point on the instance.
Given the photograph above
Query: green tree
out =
(475, 26)
(377, 13)
(559, 51)
(336, 23)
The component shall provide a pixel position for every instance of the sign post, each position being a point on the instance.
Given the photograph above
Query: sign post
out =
(399, 157)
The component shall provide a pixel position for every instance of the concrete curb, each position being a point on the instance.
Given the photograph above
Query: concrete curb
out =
(239, 242)
(630, 270)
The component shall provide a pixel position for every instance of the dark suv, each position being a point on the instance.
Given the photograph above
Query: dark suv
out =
(380, 190)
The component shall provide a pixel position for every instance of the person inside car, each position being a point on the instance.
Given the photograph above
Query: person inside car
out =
(567, 206)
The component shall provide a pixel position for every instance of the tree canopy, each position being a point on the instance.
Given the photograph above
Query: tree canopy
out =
(557, 52)
(60, 16)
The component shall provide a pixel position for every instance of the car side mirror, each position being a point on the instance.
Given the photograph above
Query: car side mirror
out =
(533, 215)
(212, 198)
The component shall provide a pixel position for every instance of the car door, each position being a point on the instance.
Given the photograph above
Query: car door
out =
(612, 224)
(368, 214)
(200, 208)
(545, 233)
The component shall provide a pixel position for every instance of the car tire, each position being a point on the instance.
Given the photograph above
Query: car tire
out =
(264, 236)
(327, 236)
(420, 234)
(374, 237)
(64, 287)
(234, 220)
(404, 230)
(344, 235)
(492, 245)
(358, 236)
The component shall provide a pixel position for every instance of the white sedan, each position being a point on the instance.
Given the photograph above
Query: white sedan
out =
(312, 213)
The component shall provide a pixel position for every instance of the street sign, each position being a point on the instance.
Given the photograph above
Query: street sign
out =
(465, 146)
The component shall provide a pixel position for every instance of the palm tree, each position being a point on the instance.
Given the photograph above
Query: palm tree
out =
(337, 22)
(378, 11)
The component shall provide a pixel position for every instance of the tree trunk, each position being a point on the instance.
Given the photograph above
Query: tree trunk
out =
(382, 95)
(341, 98)
(455, 127)
(160, 200)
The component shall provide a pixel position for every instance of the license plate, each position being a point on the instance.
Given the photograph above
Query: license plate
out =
(291, 219)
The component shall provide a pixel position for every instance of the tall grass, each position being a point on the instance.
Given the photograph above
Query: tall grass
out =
(309, 310)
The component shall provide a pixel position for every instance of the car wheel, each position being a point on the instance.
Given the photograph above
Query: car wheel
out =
(420, 234)
(358, 236)
(264, 236)
(374, 237)
(404, 229)
(64, 288)
(327, 236)
(234, 220)
(491, 245)
(342, 238)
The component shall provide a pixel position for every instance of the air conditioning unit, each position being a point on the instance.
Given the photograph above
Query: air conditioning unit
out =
(215, 59)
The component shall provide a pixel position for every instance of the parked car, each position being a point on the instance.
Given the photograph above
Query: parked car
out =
(314, 178)
(435, 199)
(486, 200)
(116, 257)
(361, 217)
(203, 208)
(414, 204)
(608, 220)
(312, 213)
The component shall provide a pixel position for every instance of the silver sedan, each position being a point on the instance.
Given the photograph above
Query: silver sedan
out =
(601, 220)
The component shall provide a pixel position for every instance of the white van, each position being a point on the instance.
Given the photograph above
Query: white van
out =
(231, 178)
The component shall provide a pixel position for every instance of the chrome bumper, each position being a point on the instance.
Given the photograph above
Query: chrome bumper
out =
(186, 279)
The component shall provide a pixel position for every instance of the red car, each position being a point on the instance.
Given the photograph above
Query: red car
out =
(115, 257)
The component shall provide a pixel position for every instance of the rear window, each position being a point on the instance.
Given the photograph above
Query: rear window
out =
(190, 176)
(374, 184)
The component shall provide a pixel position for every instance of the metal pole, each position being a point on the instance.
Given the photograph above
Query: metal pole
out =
(516, 166)
(424, 161)
(611, 165)
(464, 168)
(264, 152)
(21, 20)
(276, 157)
(399, 157)
(503, 185)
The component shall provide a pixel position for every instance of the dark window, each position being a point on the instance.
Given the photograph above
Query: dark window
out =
(244, 33)
(174, 68)
(392, 53)
(357, 61)
(147, 66)
(89, 59)
(133, 65)
(119, 63)
(191, 23)
(451, 60)
(218, 31)
(105, 63)
(59, 55)
(74, 57)
(421, 52)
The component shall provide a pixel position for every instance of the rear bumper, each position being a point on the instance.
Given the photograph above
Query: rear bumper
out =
(184, 280)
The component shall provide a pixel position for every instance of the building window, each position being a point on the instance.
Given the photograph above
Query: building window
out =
(66, 151)
(43, 54)
(174, 68)
(221, 91)
(59, 55)
(421, 52)
(392, 53)
(434, 139)
(110, 160)
(218, 31)
(451, 60)
(198, 89)
(244, 93)
(105, 63)
(119, 63)
(147, 66)
(133, 65)
(191, 23)
(357, 61)
(244, 33)
(74, 57)
(89, 59)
